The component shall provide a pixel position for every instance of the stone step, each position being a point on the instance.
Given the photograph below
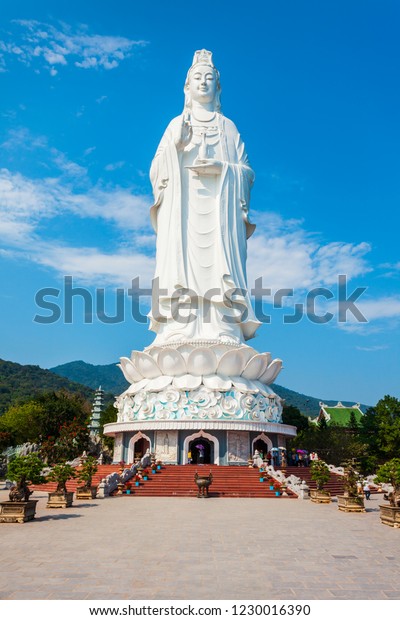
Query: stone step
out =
(178, 480)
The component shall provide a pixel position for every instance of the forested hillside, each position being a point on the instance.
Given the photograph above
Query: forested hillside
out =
(109, 376)
(18, 383)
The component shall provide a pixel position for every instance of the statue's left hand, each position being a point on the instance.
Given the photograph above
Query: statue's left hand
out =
(207, 166)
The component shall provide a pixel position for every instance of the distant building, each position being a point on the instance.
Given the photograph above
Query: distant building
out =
(338, 414)
(97, 408)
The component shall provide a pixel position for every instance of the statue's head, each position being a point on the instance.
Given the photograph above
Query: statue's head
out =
(202, 81)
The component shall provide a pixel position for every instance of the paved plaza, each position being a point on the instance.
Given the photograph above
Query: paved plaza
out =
(189, 548)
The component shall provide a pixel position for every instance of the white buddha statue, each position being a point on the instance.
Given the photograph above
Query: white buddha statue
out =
(201, 181)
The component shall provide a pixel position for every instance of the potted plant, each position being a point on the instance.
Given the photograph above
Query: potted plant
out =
(128, 486)
(22, 470)
(145, 474)
(320, 474)
(390, 473)
(277, 489)
(159, 465)
(85, 474)
(351, 500)
(61, 498)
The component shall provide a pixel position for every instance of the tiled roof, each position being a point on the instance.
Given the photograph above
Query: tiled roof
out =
(341, 415)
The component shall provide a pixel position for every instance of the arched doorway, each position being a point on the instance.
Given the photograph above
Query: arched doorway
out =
(214, 446)
(262, 443)
(201, 450)
(138, 446)
(261, 446)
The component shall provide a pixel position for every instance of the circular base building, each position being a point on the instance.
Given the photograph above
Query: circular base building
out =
(199, 402)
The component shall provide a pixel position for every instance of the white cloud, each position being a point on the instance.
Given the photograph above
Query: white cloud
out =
(377, 347)
(285, 255)
(379, 312)
(26, 205)
(50, 46)
(21, 138)
(89, 150)
(281, 251)
(383, 308)
(92, 266)
(392, 270)
(114, 166)
(27, 201)
(67, 166)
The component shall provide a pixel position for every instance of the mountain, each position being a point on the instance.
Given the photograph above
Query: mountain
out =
(108, 376)
(112, 380)
(18, 383)
(308, 405)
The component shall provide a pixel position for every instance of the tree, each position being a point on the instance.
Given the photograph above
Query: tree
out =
(322, 424)
(5, 439)
(43, 417)
(60, 408)
(23, 470)
(292, 415)
(350, 479)
(353, 425)
(388, 426)
(390, 472)
(60, 474)
(71, 442)
(22, 423)
(380, 429)
(87, 471)
(320, 473)
(108, 415)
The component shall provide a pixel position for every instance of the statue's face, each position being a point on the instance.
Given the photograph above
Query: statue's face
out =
(203, 84)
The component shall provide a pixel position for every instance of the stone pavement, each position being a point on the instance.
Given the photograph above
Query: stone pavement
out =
(189, 548)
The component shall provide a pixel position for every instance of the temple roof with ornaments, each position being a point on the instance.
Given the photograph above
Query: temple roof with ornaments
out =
(339, 414)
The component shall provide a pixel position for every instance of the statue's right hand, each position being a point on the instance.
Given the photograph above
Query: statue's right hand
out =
(184, 134)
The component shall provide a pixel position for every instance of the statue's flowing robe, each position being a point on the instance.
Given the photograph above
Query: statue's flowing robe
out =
(169, 219)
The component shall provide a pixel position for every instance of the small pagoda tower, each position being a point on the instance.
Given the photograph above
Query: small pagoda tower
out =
(97, 408)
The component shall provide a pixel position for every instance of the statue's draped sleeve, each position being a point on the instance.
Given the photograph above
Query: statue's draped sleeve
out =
(166, 212)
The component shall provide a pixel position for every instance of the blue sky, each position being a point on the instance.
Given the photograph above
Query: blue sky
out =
(87, 89)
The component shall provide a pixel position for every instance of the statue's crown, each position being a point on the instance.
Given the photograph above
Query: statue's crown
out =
(202, 57)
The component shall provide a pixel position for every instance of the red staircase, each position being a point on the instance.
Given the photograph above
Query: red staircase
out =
(334, 484)
(178, 481)
(102, 472)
